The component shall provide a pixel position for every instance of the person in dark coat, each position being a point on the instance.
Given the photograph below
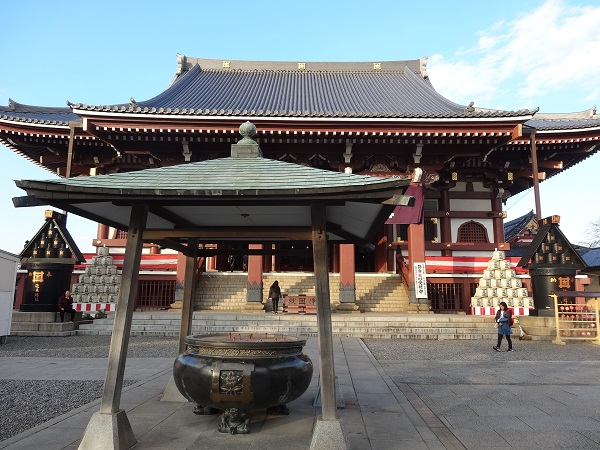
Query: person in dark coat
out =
(275, 294)
(503, 319)
(65, 304)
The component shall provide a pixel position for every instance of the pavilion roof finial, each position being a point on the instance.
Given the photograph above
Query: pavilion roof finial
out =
(246, 147)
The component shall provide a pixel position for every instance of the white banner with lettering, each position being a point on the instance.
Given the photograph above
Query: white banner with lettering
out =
(420, 280)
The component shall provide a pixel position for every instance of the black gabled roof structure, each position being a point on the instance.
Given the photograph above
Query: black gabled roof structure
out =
(57, 223)
(550, 242)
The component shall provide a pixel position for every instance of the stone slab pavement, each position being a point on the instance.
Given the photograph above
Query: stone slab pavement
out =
(393, 404)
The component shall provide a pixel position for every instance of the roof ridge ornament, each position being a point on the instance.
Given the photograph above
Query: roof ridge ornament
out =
(246, 147)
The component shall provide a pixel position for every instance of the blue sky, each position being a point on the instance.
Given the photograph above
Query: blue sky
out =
(505, 55)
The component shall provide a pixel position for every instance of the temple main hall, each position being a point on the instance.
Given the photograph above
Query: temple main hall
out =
(379, 119)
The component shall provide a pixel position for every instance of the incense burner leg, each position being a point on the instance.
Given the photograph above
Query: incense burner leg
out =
(279, 410)
(202, 410)
(234, 421)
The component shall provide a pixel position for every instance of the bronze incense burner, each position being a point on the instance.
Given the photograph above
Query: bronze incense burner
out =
(238, 372)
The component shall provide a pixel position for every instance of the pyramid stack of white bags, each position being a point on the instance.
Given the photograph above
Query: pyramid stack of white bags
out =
(499, 283)
(101, 281)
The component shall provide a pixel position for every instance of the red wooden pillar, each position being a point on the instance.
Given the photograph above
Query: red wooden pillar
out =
(347, 279)
(254, 293)
(102, 231)
(381, 250)
(335, 256)
(211, 261)
(445, 225)
(20, 290)
(221, 260)
(498, 220)
(390, 250)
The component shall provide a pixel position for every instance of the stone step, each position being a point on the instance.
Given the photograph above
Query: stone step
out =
(400, 326)
(227, 292)
(45, 327)
(44, 333)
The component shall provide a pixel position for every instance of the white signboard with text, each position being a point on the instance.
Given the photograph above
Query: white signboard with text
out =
(420, 280)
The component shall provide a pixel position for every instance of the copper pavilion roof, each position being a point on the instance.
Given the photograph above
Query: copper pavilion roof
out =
(239, 191)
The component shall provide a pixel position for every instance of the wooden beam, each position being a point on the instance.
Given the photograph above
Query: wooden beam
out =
(465, 214)
(347, 236)
(237, 233)
(51, 159)
(173, 245)
(175, 219)
(251, 251)
(548, 164)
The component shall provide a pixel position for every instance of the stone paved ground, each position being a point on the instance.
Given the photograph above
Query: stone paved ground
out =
(541, 396)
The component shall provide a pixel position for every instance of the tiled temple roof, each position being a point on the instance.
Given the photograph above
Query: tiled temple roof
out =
(37, 114)
(398, 89)
(591, 256)
(565, 121)
(513, 227)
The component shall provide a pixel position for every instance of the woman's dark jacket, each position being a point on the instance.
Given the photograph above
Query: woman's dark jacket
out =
(504, 325)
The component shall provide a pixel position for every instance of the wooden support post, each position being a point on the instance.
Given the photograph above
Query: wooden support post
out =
(189, 287)
(122, 325)
(70, 150)
(536, 181)
(325, 335)
(109, 428)
(327, 432)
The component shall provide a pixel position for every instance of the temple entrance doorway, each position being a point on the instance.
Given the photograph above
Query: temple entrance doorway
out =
(296, 257)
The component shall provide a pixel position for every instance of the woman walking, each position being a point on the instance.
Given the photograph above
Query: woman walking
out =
(503, 319)
(275, 294)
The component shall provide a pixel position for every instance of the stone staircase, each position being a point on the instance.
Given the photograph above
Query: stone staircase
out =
(41, 324)
(368, 325)
(226, 291)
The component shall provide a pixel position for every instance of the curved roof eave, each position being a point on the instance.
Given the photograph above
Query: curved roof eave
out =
(514, 116)
(58, 117)
(241, 178)
(580, 121)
